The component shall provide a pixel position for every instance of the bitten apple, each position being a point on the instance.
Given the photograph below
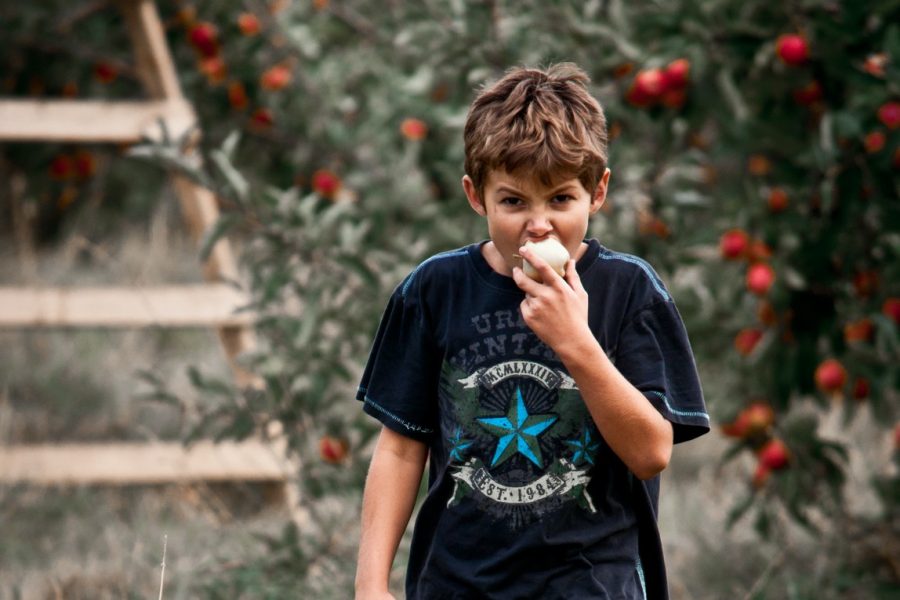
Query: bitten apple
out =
(554, 253)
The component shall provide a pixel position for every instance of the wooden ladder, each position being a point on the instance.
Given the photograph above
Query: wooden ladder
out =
(213, 304)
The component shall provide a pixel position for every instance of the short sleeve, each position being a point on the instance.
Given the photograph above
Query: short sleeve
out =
(655, 355)
(399, 384)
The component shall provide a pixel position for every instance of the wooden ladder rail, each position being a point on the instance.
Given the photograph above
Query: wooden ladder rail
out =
(129, 122)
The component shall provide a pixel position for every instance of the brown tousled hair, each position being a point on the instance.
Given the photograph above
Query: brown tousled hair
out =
(537, 122)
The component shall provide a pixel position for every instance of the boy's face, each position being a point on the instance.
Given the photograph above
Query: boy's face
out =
(520, 210)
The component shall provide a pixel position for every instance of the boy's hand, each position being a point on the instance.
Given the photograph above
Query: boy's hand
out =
(556, 310)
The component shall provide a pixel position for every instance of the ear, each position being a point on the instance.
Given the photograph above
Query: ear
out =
(475, 200)
(599, 196)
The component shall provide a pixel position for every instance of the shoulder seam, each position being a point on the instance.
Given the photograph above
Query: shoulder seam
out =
(643, 265)
(448, 254)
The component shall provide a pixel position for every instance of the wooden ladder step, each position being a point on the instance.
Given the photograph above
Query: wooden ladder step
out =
(92, 120)
(121, 464)
(203, 305)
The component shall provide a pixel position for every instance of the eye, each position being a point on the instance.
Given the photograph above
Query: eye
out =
(511, 201)
(562, 198)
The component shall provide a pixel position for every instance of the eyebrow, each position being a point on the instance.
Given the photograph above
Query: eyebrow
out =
(512, 190)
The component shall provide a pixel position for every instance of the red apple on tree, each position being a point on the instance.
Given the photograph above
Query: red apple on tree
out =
(866, 282)
(61, 167)
(214, 68)
(875, 64)
(759, 251)
(326, 183)
(204, 38)
(759, 165)
(105, 72)
(792, 49)
(759, 417)
(760, 278)
(774, 455)
(766, 313)
(647, 87)
(754, 420)
(830, 376)
(248, 24)
(262, 118)
(862, 330)
(889, 114)
(237, 95)
(778, 200)
(673, 98)
(275, 78)
(891, 309)
(676, 74)
(733, 244)
(808, 94)
(85, 164)
(333, 450)
(874, 141)
(746, 340)
(761, 475)
(413, 129)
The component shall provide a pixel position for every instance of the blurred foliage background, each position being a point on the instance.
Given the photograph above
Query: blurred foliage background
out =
(754, 155)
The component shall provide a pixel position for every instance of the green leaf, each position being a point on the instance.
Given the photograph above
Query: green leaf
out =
(763, 522)
(358, 266)
(739, 510)
(732, 95)
(214, 386)
(236, 182)
(892, 43)
(229, 146)
(215, 233)
(847, 124)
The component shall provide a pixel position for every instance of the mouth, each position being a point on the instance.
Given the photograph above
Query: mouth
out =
(542, 238)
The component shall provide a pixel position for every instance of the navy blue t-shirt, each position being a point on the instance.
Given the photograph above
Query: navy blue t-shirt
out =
(525, 499)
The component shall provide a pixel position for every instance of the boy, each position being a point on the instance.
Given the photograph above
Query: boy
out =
(545, 410)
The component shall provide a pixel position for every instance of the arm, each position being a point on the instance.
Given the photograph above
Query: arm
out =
(557, 312)
(388, 500)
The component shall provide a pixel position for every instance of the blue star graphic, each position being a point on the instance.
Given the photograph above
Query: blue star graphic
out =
(584, 449)
(520, 427)
(459, 445)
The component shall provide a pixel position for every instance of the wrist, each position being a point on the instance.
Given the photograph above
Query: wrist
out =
(582, 346)
(371, 589)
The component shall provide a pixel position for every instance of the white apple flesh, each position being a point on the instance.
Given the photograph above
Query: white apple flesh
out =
(554, 253)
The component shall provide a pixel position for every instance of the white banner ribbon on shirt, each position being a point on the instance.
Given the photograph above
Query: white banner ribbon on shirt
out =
(549, 378)
(548, 485)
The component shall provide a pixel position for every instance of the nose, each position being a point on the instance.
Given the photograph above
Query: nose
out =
(538, 225)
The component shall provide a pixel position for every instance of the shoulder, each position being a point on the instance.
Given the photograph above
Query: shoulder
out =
(632, 278)
(436, 270)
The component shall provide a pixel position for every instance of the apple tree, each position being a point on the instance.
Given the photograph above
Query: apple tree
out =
(754, 150)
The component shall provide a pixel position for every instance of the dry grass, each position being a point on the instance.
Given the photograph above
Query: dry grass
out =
(106, 543)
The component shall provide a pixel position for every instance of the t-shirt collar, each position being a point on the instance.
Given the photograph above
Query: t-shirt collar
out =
(505, 283)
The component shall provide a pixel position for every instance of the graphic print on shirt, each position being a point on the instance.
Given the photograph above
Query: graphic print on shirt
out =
(519, 439)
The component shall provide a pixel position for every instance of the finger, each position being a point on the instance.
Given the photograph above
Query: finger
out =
(546, 272)
(572, 277)
(526, 283)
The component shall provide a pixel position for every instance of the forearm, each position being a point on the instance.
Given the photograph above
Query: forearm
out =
(390, 494)
(635, 430)
(557, 311)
